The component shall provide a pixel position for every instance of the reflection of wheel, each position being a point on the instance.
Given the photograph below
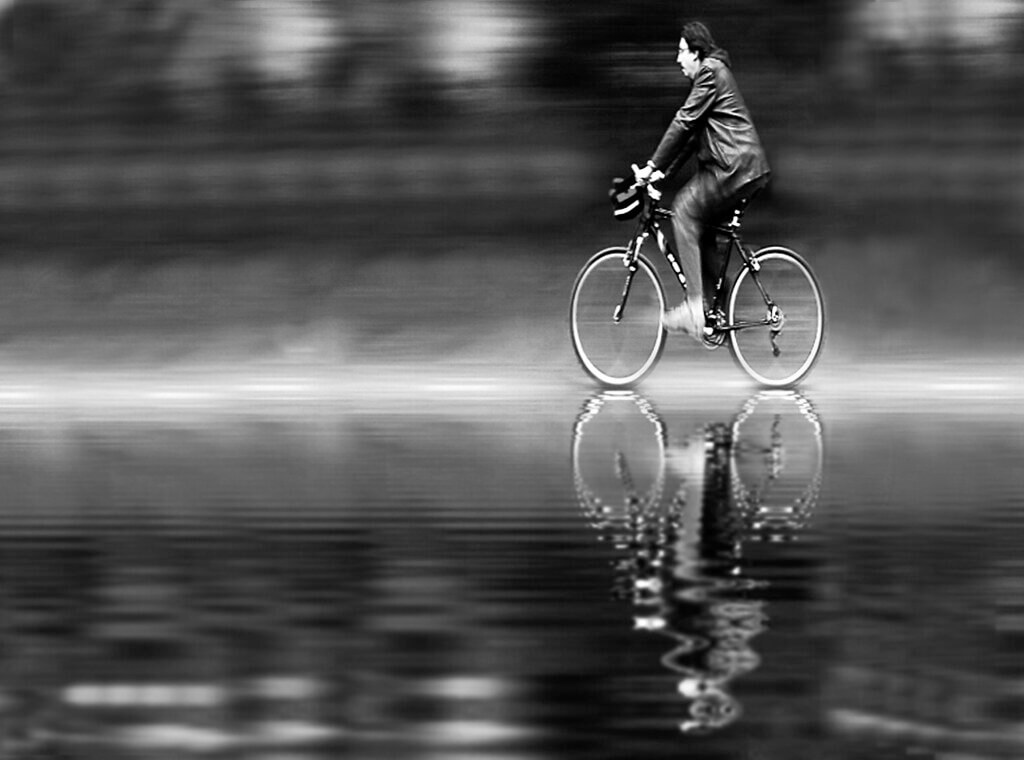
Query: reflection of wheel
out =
(781, 353)
(617, 354)
(711, 710)
(776, 463)
(618, 458)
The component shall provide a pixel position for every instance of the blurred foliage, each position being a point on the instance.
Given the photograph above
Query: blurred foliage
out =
(57, 49)
(380, 63)
(790, 35)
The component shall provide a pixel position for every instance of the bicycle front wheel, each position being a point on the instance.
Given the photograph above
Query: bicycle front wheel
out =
(777, 346)
(617, 354)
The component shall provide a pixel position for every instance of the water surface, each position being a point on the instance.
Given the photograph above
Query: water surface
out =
(731, 575)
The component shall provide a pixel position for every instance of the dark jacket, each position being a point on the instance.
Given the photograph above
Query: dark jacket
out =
(715, 122)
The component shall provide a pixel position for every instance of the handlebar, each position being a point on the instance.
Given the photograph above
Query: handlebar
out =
(656, 175)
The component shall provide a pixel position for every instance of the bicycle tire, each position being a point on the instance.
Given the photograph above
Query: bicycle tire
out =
(617, 354)
(791, 284)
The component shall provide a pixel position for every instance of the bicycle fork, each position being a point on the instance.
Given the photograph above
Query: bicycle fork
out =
(621, 308)
(630, 261)
(631, 266)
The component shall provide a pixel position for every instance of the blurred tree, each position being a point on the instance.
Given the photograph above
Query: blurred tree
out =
(374, 60)
(249, 55)
(915, 42)
(139, 54)
(608, 49)
(90, 52)
(38, 43)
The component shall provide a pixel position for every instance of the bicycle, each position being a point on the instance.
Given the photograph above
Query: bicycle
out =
(771, 313)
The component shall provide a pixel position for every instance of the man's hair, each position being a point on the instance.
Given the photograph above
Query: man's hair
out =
(698, 38)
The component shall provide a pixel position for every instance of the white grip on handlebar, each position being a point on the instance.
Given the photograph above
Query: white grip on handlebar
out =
(648, 180)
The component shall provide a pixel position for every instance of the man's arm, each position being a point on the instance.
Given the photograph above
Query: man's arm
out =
(701, 96)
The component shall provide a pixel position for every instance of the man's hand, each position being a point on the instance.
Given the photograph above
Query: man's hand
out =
(648, 174)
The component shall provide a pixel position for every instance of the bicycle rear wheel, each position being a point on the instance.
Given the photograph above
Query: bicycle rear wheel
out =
(617, 354)
(782, 353)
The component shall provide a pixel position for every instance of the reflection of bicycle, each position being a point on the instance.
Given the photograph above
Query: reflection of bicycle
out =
(678, 516)
(772, 450)
(772, 314)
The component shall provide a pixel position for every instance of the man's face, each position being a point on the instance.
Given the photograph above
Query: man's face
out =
(687, 59)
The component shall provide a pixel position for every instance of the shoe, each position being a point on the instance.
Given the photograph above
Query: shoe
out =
(685, 318)
(714, 336)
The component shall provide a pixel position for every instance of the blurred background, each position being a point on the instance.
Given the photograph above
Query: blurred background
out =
(231, 201)
(401, 180)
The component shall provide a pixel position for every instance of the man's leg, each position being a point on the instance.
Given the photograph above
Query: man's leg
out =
(712, 258)
(689, 210)
(719, 209)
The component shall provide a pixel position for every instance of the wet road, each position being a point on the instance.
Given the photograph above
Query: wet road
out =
(479, 561)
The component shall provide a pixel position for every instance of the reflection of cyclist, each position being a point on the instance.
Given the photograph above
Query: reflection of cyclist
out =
(705, 598)
(731, 164)
(755, 479)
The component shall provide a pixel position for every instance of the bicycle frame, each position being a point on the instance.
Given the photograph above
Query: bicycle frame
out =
(649, 222)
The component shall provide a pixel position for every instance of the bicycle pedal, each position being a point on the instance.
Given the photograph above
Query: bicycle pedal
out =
(713, 339)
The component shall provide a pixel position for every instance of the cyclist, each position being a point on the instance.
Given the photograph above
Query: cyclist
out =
(731, 163)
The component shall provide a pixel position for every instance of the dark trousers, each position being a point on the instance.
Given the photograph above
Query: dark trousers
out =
(701, 202)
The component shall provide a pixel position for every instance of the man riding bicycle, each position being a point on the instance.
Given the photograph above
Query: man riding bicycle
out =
(731, 164)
